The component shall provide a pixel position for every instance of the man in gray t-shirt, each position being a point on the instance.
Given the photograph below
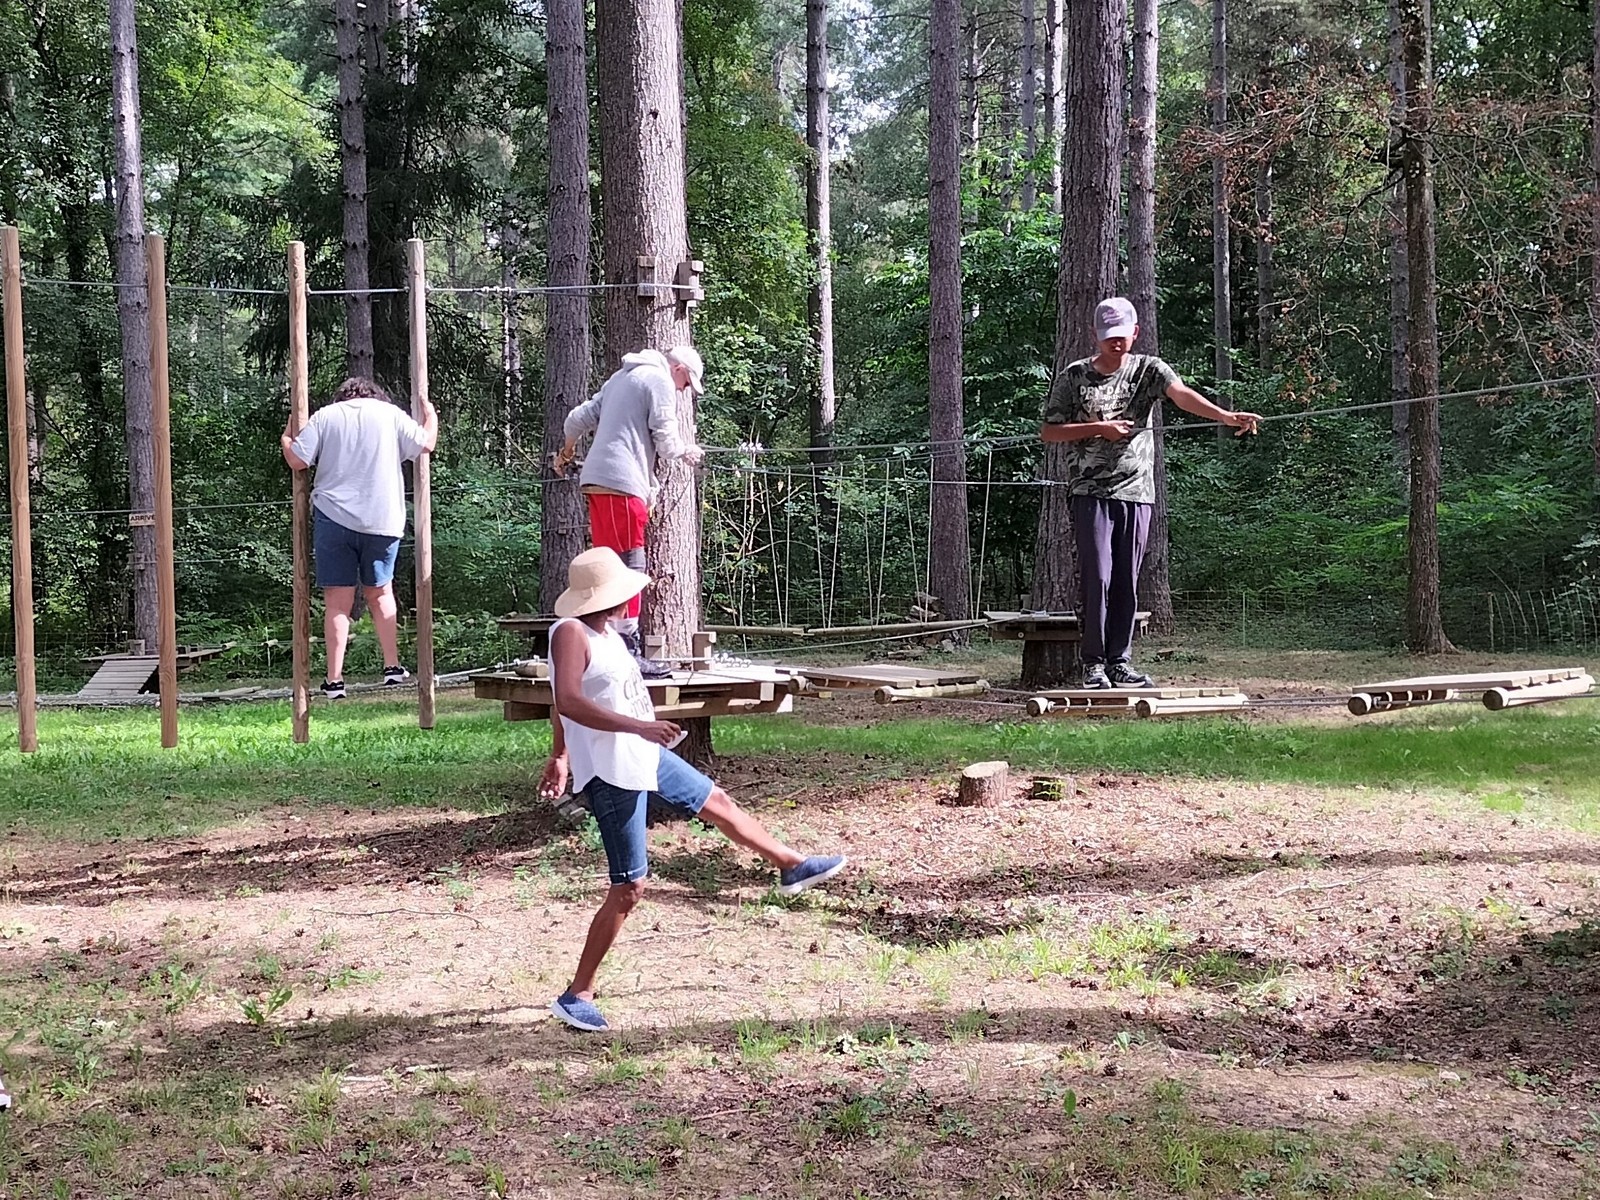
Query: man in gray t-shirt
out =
(358, 443)
(1103, 409)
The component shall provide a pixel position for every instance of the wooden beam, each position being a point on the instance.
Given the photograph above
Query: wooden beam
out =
(1156, 706)
(894, 695)
(21, 511)
(155, 248)
(421, 485)
(1500, 698)
(299, 414)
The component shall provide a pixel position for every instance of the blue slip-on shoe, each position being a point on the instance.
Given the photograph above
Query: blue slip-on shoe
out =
(815, 870)
(580, 1014)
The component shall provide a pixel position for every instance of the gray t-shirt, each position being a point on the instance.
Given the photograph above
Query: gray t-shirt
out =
(1122, 470)
(357, 447)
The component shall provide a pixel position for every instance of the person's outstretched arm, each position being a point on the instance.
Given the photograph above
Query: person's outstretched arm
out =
(1191, 401)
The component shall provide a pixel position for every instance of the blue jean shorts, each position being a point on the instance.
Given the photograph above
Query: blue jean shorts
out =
(346, 558)
(620, 813)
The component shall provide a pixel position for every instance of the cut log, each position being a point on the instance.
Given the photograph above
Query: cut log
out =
(984, 785)
(1053, 787)
(1496, 699)
(889, 694)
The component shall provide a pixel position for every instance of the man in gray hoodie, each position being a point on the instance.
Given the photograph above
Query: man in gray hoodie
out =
(634, 420)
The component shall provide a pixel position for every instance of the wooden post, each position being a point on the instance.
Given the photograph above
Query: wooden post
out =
(299, 414)
(422, 491)
(155, 249)
(21, 512)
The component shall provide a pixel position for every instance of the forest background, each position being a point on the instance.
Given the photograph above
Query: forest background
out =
(1297, 535)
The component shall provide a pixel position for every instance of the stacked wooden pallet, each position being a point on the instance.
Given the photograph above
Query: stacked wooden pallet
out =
(1144, 702)
(1498, 690)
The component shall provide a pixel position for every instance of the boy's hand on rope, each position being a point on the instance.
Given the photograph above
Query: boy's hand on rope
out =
(661, 733)
(1115, 431)
(1244, 422)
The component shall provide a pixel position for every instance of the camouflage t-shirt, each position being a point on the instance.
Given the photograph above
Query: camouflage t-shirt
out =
(1122, 470)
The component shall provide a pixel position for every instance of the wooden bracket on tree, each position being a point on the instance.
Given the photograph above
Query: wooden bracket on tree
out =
(649, 283)
(690, 293)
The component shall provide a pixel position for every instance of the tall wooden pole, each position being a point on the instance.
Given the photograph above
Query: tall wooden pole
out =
(21, 512)
(421, 488)
(299, 414)
(155, 249)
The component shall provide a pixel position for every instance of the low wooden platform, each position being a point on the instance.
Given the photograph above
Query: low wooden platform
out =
(1144, 702)
(1497, 689)
(123, 675)
(1048, 626)
(737, 691)
(869, 677)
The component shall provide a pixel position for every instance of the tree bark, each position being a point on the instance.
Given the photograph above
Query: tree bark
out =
(1221, 241)
(950, 569)
(569, 358)
(819, 302)
(347, 37)
(133, 313)
(1091, 177)
(1052, 98)
(642, 121)
(1155, 584)
(1424, 622)
(1030, 99)
(1399, 261)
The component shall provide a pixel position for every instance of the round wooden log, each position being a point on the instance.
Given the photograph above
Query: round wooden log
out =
(1039, 705)
(1360, 704)
(984, 785)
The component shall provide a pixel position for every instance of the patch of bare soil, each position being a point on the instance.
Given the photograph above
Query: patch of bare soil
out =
(1153, 988)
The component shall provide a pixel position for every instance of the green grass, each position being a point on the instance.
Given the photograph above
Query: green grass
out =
(104, 774)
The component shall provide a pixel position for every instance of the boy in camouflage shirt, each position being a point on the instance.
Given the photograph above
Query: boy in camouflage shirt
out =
(1103, 408)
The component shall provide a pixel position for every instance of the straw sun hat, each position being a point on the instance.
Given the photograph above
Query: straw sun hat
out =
(598, 580)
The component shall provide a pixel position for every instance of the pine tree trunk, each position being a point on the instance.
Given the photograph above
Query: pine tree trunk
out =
(1030, 100)
(347, 36)
(1091, 181)
(1155, 583)
(1399, 262)
(1221, 240)
(1424, 622)
(950, 570)
(563, 526)
(1053, 97)
(133, 313)
(819, 301)
(642, 164)
(1266, 284)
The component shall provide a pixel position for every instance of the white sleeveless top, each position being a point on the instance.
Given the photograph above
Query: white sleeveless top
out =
(612, 681)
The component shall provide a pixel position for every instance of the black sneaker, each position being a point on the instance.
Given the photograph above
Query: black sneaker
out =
(648, 667)
(333, 689)
(395, 676)
(1094, 676)
(1124, 675)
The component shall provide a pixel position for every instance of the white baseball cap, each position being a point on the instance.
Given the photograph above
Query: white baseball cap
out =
(1115, 318)
(689, 359)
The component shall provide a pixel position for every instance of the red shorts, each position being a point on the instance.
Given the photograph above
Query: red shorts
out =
(618, 522)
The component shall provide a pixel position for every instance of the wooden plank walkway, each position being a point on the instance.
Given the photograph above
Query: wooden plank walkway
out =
(1497, 689)
(1144, 702)
(741, 691)
(121, 676)
(869, 677)
(1048, 626)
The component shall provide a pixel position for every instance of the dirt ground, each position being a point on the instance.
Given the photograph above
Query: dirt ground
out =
(1150, 988)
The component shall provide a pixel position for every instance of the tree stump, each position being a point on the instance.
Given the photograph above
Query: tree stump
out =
(1053, 787)
(984, 785)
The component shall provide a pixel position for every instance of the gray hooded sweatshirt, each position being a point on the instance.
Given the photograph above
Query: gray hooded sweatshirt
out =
(634, 419)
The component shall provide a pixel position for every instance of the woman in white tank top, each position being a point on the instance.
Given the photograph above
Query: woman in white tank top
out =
(607, 739)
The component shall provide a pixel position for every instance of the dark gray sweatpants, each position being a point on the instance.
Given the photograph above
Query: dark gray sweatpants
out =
(1111, 537)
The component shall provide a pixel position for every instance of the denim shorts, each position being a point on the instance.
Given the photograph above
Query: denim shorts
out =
(620, 813)
(345, 557)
